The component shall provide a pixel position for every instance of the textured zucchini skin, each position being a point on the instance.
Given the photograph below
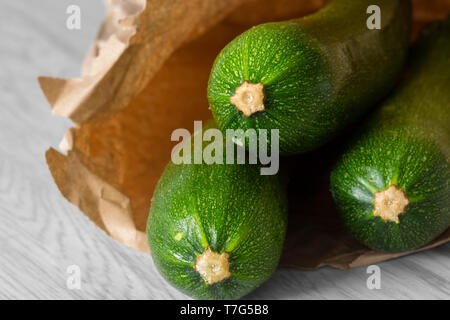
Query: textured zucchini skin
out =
(406, 144)
(227, 207)
(319, 72)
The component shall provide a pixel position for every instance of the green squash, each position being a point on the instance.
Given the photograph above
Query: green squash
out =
(310, 77)
(217, 231)
(392, 185)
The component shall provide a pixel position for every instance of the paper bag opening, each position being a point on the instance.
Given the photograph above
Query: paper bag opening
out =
(146, 76)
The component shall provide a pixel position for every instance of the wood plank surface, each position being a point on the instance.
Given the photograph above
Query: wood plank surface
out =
(42, 235)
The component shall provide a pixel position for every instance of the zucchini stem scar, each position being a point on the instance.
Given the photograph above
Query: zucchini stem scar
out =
(249, 98)
(390, 203)
(212, 266)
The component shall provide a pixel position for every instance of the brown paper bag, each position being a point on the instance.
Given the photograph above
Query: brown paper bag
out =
(145, 76)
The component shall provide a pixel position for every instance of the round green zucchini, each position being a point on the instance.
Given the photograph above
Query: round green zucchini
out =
(392, 185)
(217, 231)
(312, 76)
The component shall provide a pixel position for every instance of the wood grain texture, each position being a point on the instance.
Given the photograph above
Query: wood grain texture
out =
(41, 234)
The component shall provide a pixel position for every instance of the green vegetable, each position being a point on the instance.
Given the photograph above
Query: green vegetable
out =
(312, 76)
(216, 231)
(392, 186)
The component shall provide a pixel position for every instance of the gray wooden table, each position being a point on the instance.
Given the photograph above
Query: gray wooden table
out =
(42, 236)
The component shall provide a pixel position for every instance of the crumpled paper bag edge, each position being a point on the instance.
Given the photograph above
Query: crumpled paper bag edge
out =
(103, 87)
(108, 208)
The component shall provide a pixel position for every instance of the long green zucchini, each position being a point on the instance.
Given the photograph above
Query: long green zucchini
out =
(392, 185)
(217, 231)
(312, 76)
